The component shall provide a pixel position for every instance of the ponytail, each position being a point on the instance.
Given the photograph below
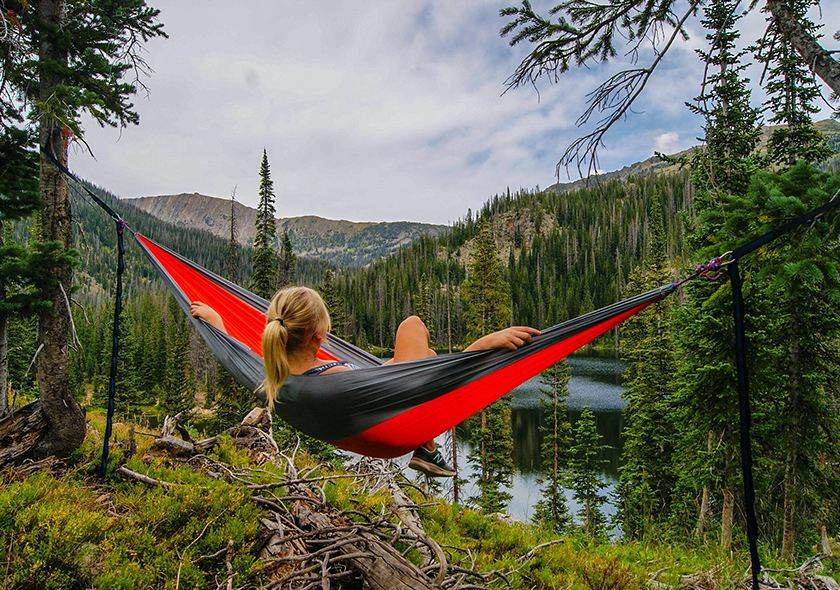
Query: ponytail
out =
(294, 316)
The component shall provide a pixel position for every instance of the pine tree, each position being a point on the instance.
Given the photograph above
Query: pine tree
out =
(335, 304)
(492, 456)
(799, 282)
(423, 304)
(177, 390)
(792, 92)
(646, 480)
(551, 511)
(264, 259)
(18, 199)
(721, 170)
(71, 58)
(487, 295)
(585, 466)
(287, 262)
(485, 291)
(232, 402)
(232, 255)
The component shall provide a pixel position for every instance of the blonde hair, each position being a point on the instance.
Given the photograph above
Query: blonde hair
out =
(295, 314)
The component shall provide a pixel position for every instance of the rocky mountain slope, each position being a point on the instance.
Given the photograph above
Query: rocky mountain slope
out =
(341, 242)
(653, 165)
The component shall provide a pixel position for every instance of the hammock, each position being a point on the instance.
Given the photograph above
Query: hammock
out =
(377, 410)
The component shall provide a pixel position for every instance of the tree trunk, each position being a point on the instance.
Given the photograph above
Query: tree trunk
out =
(726, 518)
(4, 346)
(825, 543)
(65, 419)
(704, 498)
(555, 455)
(456, 486)
(484, 469)
(818, 59)
(790, 488)
(704, 511)
(788, 528)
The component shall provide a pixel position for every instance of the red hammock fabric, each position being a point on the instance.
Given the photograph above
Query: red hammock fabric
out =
(243, 321)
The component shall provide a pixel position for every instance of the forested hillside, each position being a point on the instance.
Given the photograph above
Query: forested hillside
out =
(96, 242)
(566, 253)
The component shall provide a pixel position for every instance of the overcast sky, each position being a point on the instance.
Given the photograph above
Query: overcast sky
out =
(369, 110)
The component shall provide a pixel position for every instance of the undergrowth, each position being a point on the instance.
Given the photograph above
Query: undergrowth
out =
(69, 529)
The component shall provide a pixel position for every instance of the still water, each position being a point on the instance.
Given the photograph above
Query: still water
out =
(596, 383)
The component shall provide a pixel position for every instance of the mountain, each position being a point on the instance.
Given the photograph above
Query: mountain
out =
(96, 244)
(339, 242)
(653, 165)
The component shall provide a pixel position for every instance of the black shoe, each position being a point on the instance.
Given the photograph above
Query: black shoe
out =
(431, 463)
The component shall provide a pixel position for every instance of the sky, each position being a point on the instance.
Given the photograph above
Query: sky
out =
(369, 110)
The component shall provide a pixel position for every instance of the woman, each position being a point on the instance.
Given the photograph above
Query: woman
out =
(298, 323)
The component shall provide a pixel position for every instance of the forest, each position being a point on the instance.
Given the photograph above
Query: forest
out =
(204, 488)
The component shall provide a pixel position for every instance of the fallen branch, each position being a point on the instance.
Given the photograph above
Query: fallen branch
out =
(126, 472)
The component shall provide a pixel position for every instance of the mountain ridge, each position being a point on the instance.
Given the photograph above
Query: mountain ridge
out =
(338, 241)
(654, 165)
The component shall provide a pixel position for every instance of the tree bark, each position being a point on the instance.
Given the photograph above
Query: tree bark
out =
(726, 518)
(704, 498)
(65, 418)
(817, 58)
(825, 543)
(4, 346)
(790, 488)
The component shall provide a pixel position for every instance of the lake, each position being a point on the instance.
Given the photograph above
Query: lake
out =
(596, 383)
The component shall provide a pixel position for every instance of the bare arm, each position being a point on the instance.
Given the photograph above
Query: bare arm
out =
(509, 338)
(208, 314)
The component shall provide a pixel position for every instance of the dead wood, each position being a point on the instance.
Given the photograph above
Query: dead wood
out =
(306, 543)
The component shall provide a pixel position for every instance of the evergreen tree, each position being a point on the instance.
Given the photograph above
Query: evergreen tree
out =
(792, 92)
(18, 199)
(232, 402)
(800, 283)
(485, 291)
(585, 466)
(335, 304)
(264, 258)
(551, 511)
(71, 58)
(487, 295)
(423, 304)
(232, 255)
(646, 479)
(178, 387)
(130, 398)
(492, 457)
(706, 460)
(287, 262)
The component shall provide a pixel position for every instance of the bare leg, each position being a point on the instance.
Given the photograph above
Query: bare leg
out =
(412, 344)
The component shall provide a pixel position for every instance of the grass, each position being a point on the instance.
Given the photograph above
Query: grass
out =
(72, 530)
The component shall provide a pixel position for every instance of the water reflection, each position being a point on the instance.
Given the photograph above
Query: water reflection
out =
(596, 383)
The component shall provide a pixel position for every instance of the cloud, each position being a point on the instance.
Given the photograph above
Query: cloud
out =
(667, 143)
(369, 110)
